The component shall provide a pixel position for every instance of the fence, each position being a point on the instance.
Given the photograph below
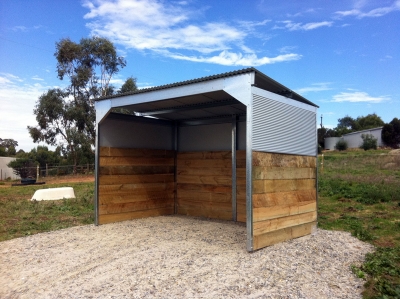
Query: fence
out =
(55, 170)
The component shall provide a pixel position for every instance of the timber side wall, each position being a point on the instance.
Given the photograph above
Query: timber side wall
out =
(284, 197)
(135, 183)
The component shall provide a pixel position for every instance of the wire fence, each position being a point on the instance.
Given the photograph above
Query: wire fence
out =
(53, 170)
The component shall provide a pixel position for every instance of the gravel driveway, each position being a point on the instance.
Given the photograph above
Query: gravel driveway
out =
(177, 257)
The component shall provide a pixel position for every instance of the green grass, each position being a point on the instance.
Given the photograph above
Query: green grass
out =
(21, 217)
(359, 192)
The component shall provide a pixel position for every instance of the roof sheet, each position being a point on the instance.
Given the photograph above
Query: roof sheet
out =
(261, 80)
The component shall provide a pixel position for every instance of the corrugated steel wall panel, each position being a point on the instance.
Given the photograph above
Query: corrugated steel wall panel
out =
(282, 128)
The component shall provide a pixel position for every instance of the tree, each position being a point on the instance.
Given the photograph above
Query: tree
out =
(391, 133)
(348, 124)
(128, 86)
(67, 117)
(369, 142)
(369, 122)
(58, 117)
(7, 147)
(23, 167)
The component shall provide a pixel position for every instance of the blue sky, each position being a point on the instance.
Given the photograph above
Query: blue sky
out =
(342, 55)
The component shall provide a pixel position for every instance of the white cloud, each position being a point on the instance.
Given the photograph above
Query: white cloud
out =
(358, 97)
(231, 58)
(162, 28)
(376, 12)
(289, 25)
(18, 99)
(37, 78)
(315, 87)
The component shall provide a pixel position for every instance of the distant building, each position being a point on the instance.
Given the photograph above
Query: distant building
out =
(354, 139)
(5, 171)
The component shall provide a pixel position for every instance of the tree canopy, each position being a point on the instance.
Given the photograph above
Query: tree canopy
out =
(391, 133)
(66, 117)
(8, 147)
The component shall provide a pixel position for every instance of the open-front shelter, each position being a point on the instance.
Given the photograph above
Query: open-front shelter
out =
(235, 146)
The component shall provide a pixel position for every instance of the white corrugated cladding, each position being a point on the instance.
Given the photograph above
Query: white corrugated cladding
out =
(280, 127)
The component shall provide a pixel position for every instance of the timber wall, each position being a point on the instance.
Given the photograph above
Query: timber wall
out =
(284, 197)
(135, 183)
(204, 184)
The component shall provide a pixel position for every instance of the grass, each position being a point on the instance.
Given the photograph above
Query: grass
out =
(21, 217)
(359, 192)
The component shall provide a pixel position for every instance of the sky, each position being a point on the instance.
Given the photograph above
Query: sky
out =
(342, 55)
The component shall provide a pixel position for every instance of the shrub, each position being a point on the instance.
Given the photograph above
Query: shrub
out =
(369, 142)
(341, 145)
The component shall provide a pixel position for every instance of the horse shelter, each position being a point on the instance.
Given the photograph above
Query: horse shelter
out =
(235, 146)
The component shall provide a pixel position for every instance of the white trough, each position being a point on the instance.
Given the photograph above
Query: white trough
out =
(53, 193)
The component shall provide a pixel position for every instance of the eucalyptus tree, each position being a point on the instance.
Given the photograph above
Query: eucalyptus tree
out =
(66, 117)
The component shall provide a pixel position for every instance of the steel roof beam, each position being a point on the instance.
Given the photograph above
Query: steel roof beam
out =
(188, 107)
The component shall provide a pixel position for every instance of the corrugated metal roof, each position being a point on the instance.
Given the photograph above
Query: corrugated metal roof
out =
(261, 80)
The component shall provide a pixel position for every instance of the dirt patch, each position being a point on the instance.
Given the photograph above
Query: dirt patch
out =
(177, 257)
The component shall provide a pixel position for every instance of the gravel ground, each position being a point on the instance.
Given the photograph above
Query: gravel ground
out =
(177, 257)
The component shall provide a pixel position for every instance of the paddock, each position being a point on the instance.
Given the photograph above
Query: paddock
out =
(236, 146)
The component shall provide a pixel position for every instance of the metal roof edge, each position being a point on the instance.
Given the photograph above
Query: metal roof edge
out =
(366, 130)
(212, 77)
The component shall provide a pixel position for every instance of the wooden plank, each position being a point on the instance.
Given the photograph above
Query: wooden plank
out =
(281, 173)
(264, 240)
(241, 154)
(106, 161)
(202, 179)
(124, 197)
(204, 196)
(204, 155)
(205, 212)
(270, 225)
(131, 169)
(184, 170)
(209, 188)
(264, 213)
(283, 198)
(211, 163)
(241, 174)
(134, 152)
(144, 178)
(226, 206)
(103, 219)
(283, 160)
(114, 208)
(268, 186)
(135, 187)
